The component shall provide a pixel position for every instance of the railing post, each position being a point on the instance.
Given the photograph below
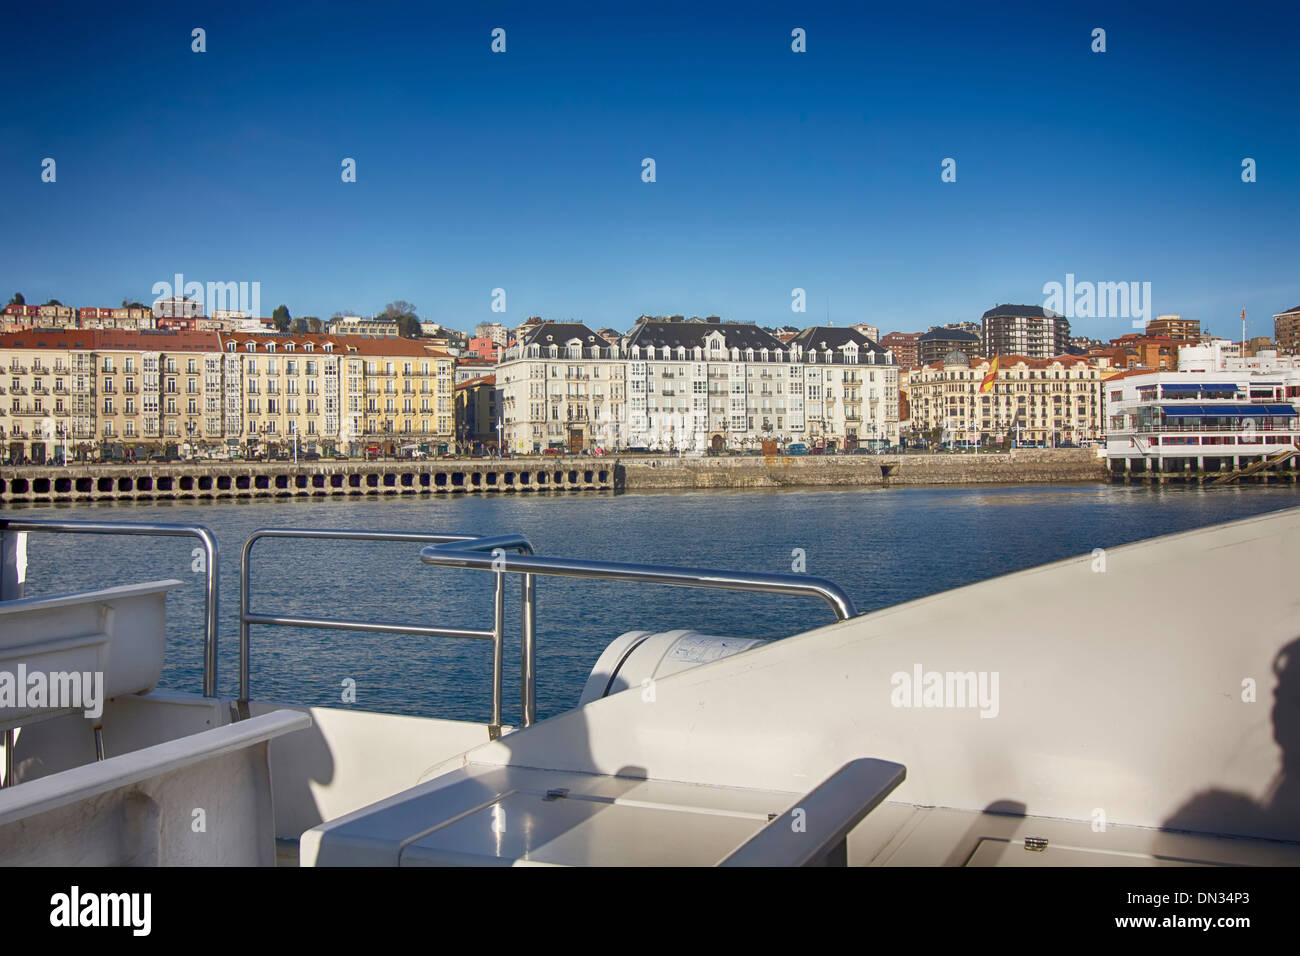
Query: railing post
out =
(527, 650)
(212, 621)
(244, 642)
(498, 641)
(13, 564)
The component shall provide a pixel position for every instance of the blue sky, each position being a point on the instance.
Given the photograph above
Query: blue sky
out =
(775, 170)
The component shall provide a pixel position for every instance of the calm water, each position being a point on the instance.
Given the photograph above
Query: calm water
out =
(881, 545)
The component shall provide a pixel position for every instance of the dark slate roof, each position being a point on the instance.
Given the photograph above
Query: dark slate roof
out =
(1290, 310)
(1030, 311)
(949, 335)
(822, 337)
(691, 335)
(558, 333)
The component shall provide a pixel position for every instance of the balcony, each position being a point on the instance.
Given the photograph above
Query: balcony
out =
(1247, 428)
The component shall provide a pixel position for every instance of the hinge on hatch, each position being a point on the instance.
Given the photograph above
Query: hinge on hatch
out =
(1037, 844)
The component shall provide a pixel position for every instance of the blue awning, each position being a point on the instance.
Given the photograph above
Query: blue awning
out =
(1193, 389)
(1229, 411)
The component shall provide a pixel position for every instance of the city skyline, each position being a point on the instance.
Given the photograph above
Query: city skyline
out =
(775, 170)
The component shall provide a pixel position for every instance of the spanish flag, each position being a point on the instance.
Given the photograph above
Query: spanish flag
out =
(990, 377)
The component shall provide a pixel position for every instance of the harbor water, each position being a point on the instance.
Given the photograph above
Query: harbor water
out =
(883, 546)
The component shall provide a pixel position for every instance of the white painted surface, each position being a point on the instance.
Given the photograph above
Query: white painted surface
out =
(1119, 690)
(119, 632)
(204, 799)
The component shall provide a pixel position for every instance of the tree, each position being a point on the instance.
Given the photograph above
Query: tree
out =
(18, 299)
(132, 305)
(54, 302)
(281, 318)
(403, 313)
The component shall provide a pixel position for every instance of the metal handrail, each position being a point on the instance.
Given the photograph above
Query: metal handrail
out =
(489, 554)
(211, 583)
(496, 635)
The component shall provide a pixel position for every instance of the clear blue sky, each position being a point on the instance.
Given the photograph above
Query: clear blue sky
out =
(775, 170)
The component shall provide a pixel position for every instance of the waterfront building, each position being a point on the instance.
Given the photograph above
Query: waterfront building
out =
(850, 388)
(189, 393)
(1286, 331)
(157, 388)
(708, 384)
(695, 385)
(477, 414)
(1201, 419)
(935, 344)
(46, 394)
(562, 387)
(1035, 401)
(351, 393)
(1027, 330)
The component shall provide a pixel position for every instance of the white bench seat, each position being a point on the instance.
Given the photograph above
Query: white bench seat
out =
(204, 799)
(119, 632)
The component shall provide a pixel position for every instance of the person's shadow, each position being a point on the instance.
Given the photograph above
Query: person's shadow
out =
(1275, 815)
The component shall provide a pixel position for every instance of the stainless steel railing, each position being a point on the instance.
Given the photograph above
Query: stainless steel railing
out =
(490, 554)
(247, 617)
(211, 555)
(500, 554)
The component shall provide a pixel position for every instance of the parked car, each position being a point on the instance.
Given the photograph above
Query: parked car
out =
(797, 448)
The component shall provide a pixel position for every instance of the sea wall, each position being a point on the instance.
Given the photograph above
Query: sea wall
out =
(1020, 465)
(326, 479)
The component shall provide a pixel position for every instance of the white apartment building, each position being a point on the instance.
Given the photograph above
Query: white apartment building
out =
(562, 387)
(679, 385)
